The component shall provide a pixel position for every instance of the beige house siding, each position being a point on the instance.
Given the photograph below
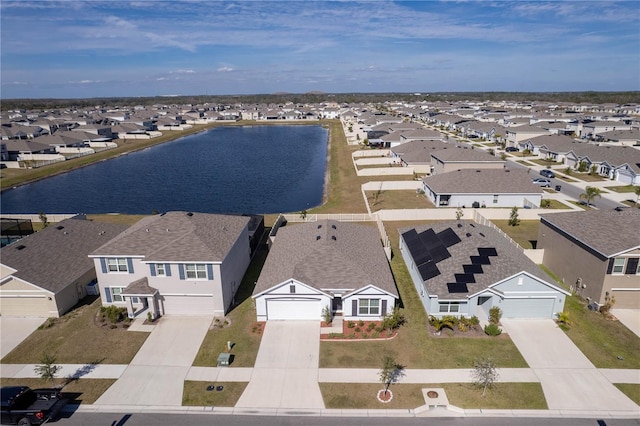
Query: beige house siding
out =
(444, 167)
(18, 298)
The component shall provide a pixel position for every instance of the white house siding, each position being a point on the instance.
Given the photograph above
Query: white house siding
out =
(386, 304)
(415, 277)
(232, 270)
(291, 292)
(467, 200)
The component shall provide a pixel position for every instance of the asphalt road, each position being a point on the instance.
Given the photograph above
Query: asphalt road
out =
(158, 419)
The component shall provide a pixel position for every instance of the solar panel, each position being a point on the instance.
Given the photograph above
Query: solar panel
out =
(415, 247)
(422, 257)
(439, 254)
(448, 237)
(428, 271)
(465, 278)
(429, 239)
(410, 235)
(457, 288)
(472, 269)
(480, 260)
(487, 251)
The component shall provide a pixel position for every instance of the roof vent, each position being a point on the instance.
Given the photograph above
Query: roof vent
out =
(190, 214)
(481, 234)
(334, 227)
(319, 226)
(317, 237)
(468, 234)
(333, 237)
(20, 247)
(59, 227)
(167, 229)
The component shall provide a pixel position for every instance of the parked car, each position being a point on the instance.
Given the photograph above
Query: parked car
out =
(24, 406)
(542, 182)
(547, 173)
(511, 149)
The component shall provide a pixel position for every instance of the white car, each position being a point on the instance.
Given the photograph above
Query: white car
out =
(546, 183)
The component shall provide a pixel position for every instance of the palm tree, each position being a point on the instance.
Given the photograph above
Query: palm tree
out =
(440, 323)
(590, 192)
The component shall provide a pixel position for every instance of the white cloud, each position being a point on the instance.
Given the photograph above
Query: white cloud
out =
(224, 69)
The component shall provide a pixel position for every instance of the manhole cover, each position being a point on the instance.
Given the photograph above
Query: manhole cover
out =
(432, 394)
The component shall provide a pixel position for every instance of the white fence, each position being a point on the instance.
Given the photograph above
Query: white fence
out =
(371, 153)
(51, 218)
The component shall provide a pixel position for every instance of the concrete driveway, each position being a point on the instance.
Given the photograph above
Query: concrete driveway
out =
(13, 330)
(569, 380)
(630, 318)
(286, 369)
(155, 376)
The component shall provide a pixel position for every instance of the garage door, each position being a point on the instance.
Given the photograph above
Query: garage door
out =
(188, 305)
(24, 306)
(627, 299)
(527, 308)
(293, 309)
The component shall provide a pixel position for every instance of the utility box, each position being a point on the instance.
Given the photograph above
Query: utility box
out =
(224, 359)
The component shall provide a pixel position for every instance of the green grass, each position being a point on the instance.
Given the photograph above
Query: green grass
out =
(398, 200)
(409, 396)
(555, 204)
(414, 347)
(242, 317)
(523, 234)
(601, 340)
(632, 390)
(76, 339)
(81, 391)
(622, 188)
(196, 394)
(589, 178)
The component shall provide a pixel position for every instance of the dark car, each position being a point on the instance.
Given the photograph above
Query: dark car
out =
(511, 149)
(547, 173)
(24, 406)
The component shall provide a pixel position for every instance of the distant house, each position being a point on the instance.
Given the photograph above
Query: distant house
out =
(482, 188)
(176, 263)
(47, 273)
(417, 154)
(321, 265)
(596, 251)
(461, 157)
(464, 269)
(520, 133)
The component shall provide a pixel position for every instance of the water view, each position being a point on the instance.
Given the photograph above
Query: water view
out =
(251, 169)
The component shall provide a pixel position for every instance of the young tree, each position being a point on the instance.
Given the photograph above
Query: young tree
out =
(459, 213)
(43, 219)
(393, 320)
(47, 369)
(590, 193)
(484, 374)
(513, 217)
(391, 372)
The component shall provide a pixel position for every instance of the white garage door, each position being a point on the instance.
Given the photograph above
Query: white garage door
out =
(24, 306)
(293, 309)
(188, 305)
(627, 299)
(527, 308)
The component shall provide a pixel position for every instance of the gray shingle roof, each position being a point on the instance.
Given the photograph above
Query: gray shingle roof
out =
(55, 258)
(509, 261)
(462, 154)
(419, 151)
(482, 181)
(352, 260)
(178, 236)
(608, 232)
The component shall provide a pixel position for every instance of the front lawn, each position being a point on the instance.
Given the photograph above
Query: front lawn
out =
(632, 390)
(400, 199)
(622, 188)
(76, 338)
(409, 396)
(241, 319)
(524, 234)
(414, 347)
(81, 391)
(206, 394)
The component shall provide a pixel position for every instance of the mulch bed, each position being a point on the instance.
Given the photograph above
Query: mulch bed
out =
(477, 333)
(359, 330)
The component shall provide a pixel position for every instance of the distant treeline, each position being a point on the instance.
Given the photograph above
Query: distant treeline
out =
(619, 98)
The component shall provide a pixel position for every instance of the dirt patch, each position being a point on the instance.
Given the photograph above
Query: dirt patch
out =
(257, 328)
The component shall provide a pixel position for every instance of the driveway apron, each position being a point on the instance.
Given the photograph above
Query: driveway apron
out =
(286, 369)
(14, 330)
(569, 380)
(156, 374)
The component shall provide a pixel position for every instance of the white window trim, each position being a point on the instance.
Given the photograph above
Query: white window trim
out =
(160, 267)
(198, 267)
(369, 307)
(624, 264)
(114, 294)
(448, 307)
(116, 262)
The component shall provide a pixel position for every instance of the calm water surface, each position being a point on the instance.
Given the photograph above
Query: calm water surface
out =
(252, 169)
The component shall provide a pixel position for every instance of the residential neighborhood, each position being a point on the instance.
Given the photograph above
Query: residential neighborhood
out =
(436, 245)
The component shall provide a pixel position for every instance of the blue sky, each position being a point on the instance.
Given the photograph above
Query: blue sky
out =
(72, 49)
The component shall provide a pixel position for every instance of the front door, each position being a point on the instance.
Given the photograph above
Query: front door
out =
(336, 305)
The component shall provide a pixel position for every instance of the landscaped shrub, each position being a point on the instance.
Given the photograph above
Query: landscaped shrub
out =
(351, 324)
(371, 326)
(545, 203)
(361, 323)
(492, 330)
(494, 315)
(114, 313)
(358, 330)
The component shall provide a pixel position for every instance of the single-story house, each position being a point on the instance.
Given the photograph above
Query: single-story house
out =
(47, 273)
(482, 188)
(464, 269)
(325, 265)
(417, 154)
(175, 263)
(596, 251)
(462, 157)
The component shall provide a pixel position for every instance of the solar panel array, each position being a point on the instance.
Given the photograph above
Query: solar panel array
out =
(428, 248)
(470, 271)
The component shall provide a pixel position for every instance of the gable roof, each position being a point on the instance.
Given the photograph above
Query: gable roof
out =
(178, 236)
(482, 181)
(56, 256)
(309, 253)
(607, 232)
(464, 154)
(503, 261)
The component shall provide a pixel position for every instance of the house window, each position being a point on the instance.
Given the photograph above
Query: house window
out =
(160, 270)
(369, 307)
(116, 294)
(447, 307)
(495, 199)
(618, 265)
(117, 264)
(195, 271)
(292, 289)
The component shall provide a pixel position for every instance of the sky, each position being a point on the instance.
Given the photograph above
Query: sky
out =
(84, 49)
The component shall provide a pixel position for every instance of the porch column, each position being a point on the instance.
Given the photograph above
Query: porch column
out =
(130, 310)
